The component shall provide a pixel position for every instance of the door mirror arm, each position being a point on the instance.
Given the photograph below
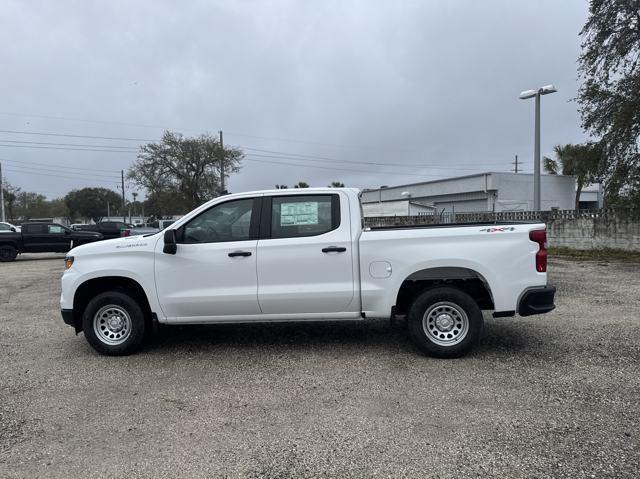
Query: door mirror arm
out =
(170, 242)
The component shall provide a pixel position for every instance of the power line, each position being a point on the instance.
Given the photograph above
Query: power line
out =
(400, 165)
(387, 173)
(59, 166)
(69, 144)
(77, 173)
(40, 133)
(102, 122)
(114, 182)
(66, 148)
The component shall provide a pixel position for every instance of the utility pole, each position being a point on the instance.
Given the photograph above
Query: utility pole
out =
(2, 192)
(124, 213)
(222, 189)
(516, 163)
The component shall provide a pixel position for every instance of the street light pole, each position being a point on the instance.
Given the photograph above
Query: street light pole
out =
(536, 158)
(545, 90)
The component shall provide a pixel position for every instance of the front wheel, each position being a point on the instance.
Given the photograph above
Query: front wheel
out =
(445, 322)
(114, 324)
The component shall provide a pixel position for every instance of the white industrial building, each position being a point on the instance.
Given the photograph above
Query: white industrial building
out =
(489, 191)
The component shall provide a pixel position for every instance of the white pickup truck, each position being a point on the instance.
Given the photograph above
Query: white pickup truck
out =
(304, 255)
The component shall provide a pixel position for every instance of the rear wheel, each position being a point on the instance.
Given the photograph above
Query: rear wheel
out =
(445, 322)
(7, 253)
(114, 324)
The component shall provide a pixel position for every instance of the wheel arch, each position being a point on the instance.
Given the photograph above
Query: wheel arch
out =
(465, 279)
(92, 287)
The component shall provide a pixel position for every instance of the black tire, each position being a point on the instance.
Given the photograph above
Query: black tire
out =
(445, 322)
(110, 341)
(7, 253)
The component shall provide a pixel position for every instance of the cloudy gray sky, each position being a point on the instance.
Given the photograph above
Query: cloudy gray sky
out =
(428, 83)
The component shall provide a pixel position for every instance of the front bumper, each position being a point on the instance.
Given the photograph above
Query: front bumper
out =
(67, 316)
(537, 301)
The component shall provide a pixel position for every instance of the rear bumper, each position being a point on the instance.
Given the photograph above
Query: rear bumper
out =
(537, 301)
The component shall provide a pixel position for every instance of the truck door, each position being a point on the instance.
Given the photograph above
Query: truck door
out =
(305, 257)
(35, 238)
(213, 273)
(58, 238)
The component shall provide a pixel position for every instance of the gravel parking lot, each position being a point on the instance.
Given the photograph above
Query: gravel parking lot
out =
(549, 396)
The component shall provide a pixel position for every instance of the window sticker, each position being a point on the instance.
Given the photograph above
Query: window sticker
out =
(294, 214)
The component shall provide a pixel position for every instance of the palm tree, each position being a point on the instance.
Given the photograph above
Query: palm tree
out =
(135, 195)
(584, 161)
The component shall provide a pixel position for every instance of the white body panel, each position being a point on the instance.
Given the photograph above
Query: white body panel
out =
(291, 278)
(296, 277)
(202, 282)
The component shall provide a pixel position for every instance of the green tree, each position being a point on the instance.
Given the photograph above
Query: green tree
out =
(301, 184)
(10, 196)
(165, 203)
(281, 187)
(92, 202)
(336, 184)
(185, 169)
(609, 97)
(582, 161)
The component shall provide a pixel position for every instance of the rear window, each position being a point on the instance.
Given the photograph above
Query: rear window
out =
(34, 229)
(308, 215)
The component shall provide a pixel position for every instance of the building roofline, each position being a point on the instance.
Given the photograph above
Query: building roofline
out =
(442, 180)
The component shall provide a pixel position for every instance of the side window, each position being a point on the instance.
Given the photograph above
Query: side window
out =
(309, 215)
(4, 227)
(230, 221)
(55, 229)
(35, 229)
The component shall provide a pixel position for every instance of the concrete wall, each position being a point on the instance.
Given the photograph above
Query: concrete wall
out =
(595, 233)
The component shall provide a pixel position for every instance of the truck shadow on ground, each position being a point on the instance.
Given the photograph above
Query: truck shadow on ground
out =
(41, 257)
(498, 338)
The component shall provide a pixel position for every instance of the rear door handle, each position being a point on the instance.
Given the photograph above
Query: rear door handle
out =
(334, 249)
(233, 254)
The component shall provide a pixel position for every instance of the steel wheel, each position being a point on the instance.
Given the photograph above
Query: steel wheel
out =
(112, 324)
(445, 323)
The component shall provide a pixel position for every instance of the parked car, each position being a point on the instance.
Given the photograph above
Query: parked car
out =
(109, 229)
(304, 255)
(154, 227)
(8, 227)
(77, 226)
(42, 238)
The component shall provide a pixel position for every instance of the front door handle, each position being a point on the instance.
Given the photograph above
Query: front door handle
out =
(233, 254)
(334, 249)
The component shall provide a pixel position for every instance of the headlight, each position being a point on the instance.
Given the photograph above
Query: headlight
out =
(68, 262)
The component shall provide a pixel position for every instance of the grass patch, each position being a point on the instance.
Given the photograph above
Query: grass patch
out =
(603, 254)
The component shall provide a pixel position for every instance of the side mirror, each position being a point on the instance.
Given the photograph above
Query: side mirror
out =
(170, 243)
(13, 229)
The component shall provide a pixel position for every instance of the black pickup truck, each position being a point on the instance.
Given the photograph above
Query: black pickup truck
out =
(43, 238)
(109, 229)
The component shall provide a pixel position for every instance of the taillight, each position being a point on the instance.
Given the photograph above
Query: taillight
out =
(126, 233)
(540, 237)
